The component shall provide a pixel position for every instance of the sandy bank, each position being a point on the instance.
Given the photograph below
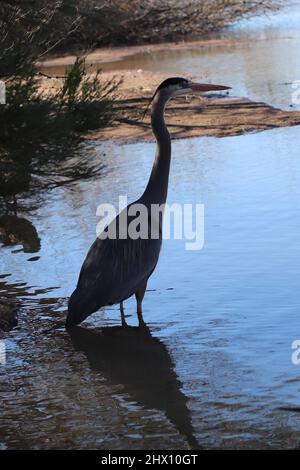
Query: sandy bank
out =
(114, 54)
(191, 116)
(214, 115)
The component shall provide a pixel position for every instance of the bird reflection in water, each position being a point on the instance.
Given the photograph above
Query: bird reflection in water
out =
(132, 357)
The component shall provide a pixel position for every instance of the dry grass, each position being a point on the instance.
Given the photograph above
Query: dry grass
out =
(144, 21)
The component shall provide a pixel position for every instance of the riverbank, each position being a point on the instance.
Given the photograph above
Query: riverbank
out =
(216, 115)
(108, 55)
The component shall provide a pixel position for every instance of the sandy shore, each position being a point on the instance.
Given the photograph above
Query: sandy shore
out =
(213, 115)
(114, 54)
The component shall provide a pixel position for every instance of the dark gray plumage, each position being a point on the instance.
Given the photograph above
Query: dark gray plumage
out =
(116, 269)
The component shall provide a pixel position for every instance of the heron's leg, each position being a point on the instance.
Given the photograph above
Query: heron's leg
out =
(123, 320)
(139, 295)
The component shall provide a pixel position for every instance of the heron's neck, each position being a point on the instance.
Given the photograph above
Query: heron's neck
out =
(157, 187)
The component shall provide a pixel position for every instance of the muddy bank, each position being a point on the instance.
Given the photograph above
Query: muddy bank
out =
(194, 117)
(104, 55)
(191, 116)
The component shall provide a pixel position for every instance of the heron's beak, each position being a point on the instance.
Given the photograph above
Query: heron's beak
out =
(203, 87)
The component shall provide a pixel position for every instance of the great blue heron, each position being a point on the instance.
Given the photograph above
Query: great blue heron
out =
(117, 268)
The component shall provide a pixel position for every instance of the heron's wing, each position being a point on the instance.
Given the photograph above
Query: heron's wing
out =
(114, 269)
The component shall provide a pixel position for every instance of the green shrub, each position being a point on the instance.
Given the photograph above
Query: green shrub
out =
(40, 131)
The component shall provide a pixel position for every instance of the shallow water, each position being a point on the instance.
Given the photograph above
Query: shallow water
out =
(215, 368)
(262, 63)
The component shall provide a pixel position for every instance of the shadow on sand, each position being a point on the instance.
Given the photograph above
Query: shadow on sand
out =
(141, 363)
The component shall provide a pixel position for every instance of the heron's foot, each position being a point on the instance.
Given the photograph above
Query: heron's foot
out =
(142, 324)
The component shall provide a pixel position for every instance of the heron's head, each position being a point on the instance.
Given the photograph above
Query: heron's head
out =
(176, 86)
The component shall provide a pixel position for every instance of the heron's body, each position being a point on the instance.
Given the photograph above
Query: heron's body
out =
(113, 271)
(116, 269)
